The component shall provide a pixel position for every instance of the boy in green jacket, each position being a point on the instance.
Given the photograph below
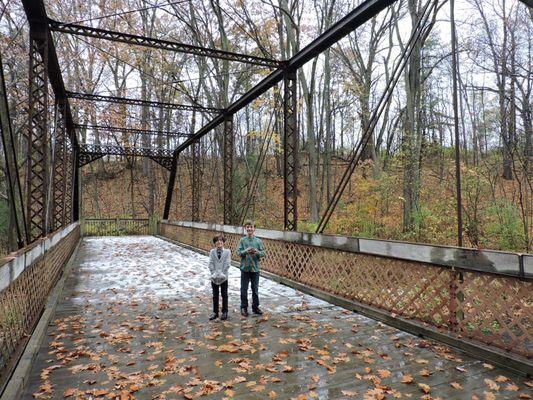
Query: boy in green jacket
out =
(251, 250)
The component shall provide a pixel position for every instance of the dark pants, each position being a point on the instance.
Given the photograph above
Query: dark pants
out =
(253, 277)
(224, 289)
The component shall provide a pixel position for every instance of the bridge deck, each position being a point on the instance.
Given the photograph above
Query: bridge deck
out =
(132, 321)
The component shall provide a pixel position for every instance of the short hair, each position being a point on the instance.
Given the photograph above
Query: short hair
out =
(249, 222)
(219, 237)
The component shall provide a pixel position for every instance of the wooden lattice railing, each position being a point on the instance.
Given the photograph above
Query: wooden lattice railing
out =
(115, 226)
(26, 279)
(483, 296)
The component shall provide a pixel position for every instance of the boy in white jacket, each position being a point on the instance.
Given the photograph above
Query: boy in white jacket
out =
(219, 262)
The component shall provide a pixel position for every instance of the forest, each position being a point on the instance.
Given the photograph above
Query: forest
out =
(405, 186)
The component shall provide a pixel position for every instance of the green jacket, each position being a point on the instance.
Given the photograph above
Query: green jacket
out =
(250, 262)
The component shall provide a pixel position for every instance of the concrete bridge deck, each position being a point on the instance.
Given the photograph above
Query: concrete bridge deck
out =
(132, 322)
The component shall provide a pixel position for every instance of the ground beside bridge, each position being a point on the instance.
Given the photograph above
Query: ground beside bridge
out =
(132, 322)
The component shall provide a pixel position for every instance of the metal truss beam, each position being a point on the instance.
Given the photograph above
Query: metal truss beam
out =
(119, 129)
(91, 152)
(290, 153)
(60, 168)
(228, 157)
(137, 102)
(11, 171)
(88, 31)
(36, 15)
(362, 13)
(196, 181)
(170, 187)
(37, 161)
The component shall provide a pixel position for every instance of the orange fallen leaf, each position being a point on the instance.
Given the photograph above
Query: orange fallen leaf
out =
(349, 393)
(524, 396)
(407, 379)
(425, 388)
(272, 394)
(425, 372)
(491, 384)
(288, 368)
(384, 373)
(512, 387)
(488, 366)
(229, 393)
(489, 396)
(69, 392)
(501, 379)
(456, 385)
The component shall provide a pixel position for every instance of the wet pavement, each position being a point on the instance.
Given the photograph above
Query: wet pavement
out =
(132, 323)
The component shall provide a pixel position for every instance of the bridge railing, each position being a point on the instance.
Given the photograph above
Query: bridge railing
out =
(115, 226)
(26, 279)
(480, 296)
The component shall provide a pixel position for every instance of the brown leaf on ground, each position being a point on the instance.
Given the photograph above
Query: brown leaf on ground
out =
(69, 392)
(288, 368)
(384, 373)
(229, 393)
(488, 366)
(349, 393)
(407, 379)
(425, 388)
(272, 394)
(489, 396)
(524, 396)
(315, 378)
(512, 387)
(456, 385)
(425, 372)
(501, 379)
(491, 384)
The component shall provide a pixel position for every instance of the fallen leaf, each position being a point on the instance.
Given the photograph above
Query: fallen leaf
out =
(488, 366)
(384, 373)
(501, 379)
(349, 393)
(229, 393)
(524, 396)
(425, 388)
(425, 372)
(69, 392)
(512, 387)
(456, 385)
(491, 384)
(272, 394)
(407, 379)
(489, 396)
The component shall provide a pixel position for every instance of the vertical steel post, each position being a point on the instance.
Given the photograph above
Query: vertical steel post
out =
(68, 190)
(75, 189)
(290, 152)
(170, 187)
(11, 165)
(196, 181)
(36, 176)
(229, 151)
(60, 165)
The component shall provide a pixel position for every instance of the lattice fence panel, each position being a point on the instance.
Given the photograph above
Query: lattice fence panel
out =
(496, 310)
(492, 309)
(22, 301)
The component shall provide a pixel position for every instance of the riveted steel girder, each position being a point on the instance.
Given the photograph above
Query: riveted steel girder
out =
(75, 29)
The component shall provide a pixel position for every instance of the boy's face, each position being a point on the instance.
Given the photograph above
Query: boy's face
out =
(250, 229)
(219, 244)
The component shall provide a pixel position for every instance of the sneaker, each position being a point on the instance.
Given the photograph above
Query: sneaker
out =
(224, 316)
(257, 311)
(244, 312)
(213, 316)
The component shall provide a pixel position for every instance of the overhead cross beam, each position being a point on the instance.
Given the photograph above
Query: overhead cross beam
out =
(119, 129)
(362, 13)
(128, 38)
(138, 102)
(91, 152)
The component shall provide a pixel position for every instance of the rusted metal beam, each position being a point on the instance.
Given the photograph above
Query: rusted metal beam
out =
(91, 152)
(290, 153)
(87, 31)
(138, 102)
(228, 157)
(119, 129)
